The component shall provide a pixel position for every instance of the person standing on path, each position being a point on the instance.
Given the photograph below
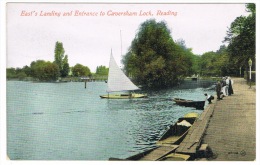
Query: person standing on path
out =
(230, 87)
(218, 90)
(223, 85)
(227, 86)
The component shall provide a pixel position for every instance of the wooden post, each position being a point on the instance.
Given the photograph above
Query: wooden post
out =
(85, 84)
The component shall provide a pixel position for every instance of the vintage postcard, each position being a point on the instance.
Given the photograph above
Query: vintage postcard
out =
(136, 81)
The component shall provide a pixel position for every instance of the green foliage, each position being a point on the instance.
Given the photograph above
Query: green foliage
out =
(228, 60)
(11, 73)
(59, 54)
(154, 60)
(191, 60)
(50, 71)
(61, 60)
(250, 8)
(45, 71)
(209, 64)
(18, 73)
(65, 70)
(80, 70)
(102, 70)
(241, 39)
(217, 63)
(27, 70)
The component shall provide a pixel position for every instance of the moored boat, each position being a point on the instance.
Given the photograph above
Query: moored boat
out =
(177, 132)
(194, 78)
(153, 154)
(190, 103)
(175, 157)
(123, 96)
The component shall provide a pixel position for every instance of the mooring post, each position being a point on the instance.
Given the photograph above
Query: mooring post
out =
(85, 84)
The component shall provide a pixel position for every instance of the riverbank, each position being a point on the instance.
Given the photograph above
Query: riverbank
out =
(231, 132)
(61, 80)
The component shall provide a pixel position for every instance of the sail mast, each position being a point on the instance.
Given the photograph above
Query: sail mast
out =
(121, 41)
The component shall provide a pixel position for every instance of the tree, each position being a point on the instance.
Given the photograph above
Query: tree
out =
(102, 70)
(207, 64)
(241, 39)
(45, 71)
(61, 60)
(10, 73)
(216, 63)
(59, 54)
(193, 59)
(66, 68)
(51, 72)
(27, 70)
(153, 59)
(80, 70)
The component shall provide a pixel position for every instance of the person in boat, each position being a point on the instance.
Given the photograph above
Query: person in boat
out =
(209, 98)
(218, 90)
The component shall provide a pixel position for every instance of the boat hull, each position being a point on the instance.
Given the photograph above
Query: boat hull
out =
(123, 96)
(153, 154)
(176, 133)
(190, 103)
(175, 157)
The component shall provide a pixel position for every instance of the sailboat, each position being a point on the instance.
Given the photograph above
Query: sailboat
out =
(119, 82)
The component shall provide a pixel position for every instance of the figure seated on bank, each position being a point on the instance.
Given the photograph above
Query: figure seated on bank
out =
(209, 98)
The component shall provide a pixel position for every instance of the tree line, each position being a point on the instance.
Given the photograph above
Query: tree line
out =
(155, 60)
(51, 71)
(233, 58)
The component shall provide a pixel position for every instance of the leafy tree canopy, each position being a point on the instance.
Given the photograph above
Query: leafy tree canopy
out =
(44, 71)
(241, 38)
(102, 70)
(61, 60)
(80, 70)
(153, 59)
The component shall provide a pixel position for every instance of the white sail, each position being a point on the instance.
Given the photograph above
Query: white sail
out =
(117, 80)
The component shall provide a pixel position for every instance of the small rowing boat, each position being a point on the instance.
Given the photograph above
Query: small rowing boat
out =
(123, 96)
(190, 103)
(177, 132)
(153, 154)
(175, 157)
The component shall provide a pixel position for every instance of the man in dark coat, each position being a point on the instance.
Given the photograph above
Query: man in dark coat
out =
(218, 90)
(230, 88)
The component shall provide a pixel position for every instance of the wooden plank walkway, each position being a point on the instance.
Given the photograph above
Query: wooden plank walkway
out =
(227, 126)
(231, 133)
(159, 153)
(193, 139)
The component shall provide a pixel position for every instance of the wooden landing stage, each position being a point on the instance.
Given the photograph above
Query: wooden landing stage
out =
(192, 141)
(151, 155)
(231, 134)
(159, 153)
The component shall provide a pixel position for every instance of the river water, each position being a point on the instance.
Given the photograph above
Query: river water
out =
(65, 121)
